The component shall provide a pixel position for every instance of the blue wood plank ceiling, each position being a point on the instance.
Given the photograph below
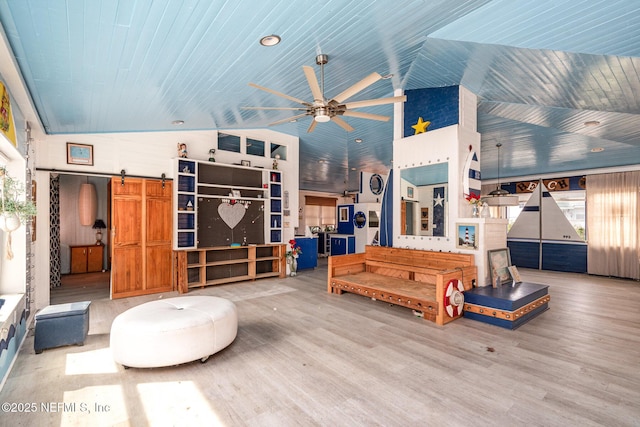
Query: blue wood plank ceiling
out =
(541, 70)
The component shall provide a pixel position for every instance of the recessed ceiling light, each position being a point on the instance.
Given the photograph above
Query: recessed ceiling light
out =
(597, 150)
(353, 169)
(177, 122)
(271, 40)
(358, 140)
(591, 123)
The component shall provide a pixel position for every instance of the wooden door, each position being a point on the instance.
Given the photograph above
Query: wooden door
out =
(126, 237)
(158, 233)
(403, 217)
(140, 237)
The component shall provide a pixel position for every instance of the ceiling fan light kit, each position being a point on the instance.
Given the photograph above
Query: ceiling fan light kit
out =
(322, 110)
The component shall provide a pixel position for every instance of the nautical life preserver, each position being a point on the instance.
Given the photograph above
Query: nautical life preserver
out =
(454, 298)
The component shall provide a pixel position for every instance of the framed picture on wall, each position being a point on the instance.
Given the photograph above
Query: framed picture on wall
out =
(467, 236)
(79, 154)
(499, 262)
(410, 192)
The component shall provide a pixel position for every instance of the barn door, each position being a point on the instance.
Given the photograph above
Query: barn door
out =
(140, 237)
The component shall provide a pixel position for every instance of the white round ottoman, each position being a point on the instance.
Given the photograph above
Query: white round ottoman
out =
(173, 331)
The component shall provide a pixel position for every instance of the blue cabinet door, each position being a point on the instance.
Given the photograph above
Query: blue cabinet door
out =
(351, 244)
(309, 256)
(342, 245)
(337, 246)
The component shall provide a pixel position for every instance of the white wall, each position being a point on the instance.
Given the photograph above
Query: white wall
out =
(12, 272)
(150, 155)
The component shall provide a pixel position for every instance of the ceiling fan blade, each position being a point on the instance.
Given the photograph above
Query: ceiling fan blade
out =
(369, 116)
(372, 102)
(288, 119)
(313, 84)
(273, 108)
(362, 84)
(344, 125)
(312, 126)
(275, 92)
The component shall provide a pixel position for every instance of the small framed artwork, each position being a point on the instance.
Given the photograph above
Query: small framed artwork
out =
(467, 236)
(499, 262)
(410, 192)
(79, 154)
(515, 274)
(245, 162)
(343, 213)
(236, 193)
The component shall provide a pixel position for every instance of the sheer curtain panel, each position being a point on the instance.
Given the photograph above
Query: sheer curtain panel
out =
(613, 234)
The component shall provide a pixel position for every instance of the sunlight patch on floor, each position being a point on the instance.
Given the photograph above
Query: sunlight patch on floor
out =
(102, 405)
(176, 403)
(91, 362)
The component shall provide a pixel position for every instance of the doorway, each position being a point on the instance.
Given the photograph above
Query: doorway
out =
(80, 265)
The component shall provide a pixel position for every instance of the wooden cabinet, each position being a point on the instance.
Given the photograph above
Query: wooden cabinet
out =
(86, 258)
(225, 264)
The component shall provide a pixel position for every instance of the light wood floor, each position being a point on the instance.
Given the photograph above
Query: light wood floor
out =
(81, 287)
(306, 358)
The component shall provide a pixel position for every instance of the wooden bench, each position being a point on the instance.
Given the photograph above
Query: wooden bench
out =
(426, 281)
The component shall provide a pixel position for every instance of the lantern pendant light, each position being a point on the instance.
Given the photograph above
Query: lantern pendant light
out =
(87, 204)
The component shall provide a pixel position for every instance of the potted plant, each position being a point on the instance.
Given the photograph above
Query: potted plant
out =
(14, 208)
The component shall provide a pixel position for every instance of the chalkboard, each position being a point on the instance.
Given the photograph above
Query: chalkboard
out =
(222, 222)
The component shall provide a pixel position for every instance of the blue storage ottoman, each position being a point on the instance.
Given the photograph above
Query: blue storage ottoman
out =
(508, 306)
(61, 324)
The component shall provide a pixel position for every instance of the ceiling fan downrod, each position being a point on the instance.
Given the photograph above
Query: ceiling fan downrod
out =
(321, 60)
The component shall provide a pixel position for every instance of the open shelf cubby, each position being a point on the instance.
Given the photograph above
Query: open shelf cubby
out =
(202, 267)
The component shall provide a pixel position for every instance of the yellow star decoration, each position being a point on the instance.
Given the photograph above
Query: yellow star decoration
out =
(421, 126)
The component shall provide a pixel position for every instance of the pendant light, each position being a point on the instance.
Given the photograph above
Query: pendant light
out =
(499, 196)
(87, 204)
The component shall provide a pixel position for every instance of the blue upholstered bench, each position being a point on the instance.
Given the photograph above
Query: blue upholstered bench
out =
(61, 324)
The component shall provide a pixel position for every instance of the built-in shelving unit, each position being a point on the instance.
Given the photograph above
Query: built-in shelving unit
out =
(184, 202)
(225, 264)
(202, 186)
(275, 195)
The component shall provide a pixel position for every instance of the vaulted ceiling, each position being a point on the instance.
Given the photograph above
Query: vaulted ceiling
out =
(541, 70)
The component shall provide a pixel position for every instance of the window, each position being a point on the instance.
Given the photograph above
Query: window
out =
(255, 147)
(229, 142)
(277, 149)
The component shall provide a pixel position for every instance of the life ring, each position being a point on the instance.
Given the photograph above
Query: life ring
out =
(454, 298)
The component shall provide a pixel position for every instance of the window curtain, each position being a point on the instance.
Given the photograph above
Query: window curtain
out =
(613, 209)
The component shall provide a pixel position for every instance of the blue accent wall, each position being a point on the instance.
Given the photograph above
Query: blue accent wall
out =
(345, 227)
(437, 105)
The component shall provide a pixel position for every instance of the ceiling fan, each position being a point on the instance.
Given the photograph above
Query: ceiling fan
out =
(323, 110)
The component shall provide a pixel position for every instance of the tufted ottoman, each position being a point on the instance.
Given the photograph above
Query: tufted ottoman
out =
(173, 331)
